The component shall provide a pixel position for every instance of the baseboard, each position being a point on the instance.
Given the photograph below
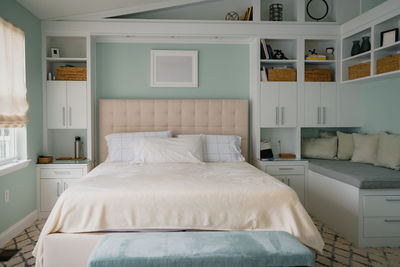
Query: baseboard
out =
(15, 229)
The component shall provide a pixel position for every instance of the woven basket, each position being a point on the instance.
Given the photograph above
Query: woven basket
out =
(282, 75)
(71, 73)
(388, 64)
(318, 75)
(360, 70)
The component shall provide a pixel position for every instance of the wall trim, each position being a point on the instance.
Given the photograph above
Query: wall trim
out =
(18, 227)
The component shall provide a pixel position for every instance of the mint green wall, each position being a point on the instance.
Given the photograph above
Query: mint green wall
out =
(382, 105)
(123, 71)
(22, 183)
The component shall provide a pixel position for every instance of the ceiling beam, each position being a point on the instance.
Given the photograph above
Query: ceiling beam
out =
(132, 9)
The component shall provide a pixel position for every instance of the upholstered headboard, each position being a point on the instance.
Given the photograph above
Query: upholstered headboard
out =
(182, 116)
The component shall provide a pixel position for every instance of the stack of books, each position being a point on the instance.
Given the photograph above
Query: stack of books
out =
(248, 15)
(316, 57)
(266, 50)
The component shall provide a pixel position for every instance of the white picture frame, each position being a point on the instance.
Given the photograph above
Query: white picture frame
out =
(174, 68)
(55, 52)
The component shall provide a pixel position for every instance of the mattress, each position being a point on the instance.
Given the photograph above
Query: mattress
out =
(360, 175)
(174, 196)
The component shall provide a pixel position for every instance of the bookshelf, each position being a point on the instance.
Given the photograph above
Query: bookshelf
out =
(320, 46)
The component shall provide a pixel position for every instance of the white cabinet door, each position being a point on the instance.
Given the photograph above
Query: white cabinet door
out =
(288, 104)
(328, 104)
(67, 183)
(296, 182)
(269, 105)
(77, 107)
(50, 189)
(56, 93)
(312, 104)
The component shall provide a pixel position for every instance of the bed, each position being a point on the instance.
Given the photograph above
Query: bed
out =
(170, 196)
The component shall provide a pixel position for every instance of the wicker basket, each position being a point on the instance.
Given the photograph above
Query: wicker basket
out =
(388, 64)
(360, 70)
(318, 75)
(282, 75)
(71, 73)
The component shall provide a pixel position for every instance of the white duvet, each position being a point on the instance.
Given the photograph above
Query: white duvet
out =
(199, 196)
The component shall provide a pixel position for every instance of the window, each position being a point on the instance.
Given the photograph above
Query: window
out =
(8, 145)
(13, 104)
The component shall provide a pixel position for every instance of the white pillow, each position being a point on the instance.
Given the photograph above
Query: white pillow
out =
(388, 154)
(221, 148)
(159, 150)
(345, 145)
(121, 146)
(365, 148)
(319, 148)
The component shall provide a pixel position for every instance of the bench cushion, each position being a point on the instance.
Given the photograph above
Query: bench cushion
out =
(195, 249)
(360, 175)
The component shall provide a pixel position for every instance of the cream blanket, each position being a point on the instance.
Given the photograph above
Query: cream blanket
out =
(200, 196)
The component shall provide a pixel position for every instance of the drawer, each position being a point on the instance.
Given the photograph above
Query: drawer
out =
(382, 227)
(284, 170)
(382, 206)
(60, 173)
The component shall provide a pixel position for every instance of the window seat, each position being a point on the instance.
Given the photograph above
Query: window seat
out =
(360, 175)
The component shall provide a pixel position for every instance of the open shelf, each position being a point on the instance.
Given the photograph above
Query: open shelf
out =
(278, 61)
(322, 62)
(364, 55)
(289, 10)
(66, 59)
(317, 8)
(392, 23)
(347, 43)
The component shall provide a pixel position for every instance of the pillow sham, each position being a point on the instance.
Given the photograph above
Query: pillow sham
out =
(345, 145)
(326, 134)
(388, 154)
(121, 146)
(365, 148)
(160, 150)
(220, 148)
(319, 148)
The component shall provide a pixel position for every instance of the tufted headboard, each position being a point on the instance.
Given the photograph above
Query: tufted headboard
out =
(182, 116)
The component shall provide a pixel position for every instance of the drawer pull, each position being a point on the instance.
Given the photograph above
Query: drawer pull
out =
(62, 172)
(393, 200)
(392, 221)
(286, 169)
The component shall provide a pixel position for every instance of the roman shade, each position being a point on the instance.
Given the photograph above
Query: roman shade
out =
(13, 104)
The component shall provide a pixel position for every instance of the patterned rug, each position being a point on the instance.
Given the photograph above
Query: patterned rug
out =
(338, 252)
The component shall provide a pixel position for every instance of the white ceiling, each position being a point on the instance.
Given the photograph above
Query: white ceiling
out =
(95, 9)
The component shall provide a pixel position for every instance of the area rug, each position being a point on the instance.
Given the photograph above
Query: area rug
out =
(338, 251)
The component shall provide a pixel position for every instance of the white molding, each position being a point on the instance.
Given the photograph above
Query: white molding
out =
(14, 166)
(172, 39)
(17, 228)
(132, 9)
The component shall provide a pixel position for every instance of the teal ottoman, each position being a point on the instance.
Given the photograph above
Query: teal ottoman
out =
(195, 249)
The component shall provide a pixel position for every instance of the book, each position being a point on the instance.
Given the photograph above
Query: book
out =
(264, 47)
(270, 51)
(263, 74)
(316, 57)
(262, 53)
(250, 16)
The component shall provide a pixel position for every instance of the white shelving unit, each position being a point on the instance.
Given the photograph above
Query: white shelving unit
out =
(377, 52)
(72, 116)
(320, 46)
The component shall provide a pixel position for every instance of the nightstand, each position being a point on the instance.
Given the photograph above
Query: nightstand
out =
(54, 178)
(291, 172)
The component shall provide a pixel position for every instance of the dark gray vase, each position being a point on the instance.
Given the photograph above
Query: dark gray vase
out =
(366, 44)
(356, 49)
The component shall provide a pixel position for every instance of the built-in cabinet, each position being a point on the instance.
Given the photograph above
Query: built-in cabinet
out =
(53, 179)
(278, 104)
(290, 172)
(320, 104)
(66, 105)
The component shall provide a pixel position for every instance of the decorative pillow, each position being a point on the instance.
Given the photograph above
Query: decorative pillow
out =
(345, 145)
(365, 148)
(319, 148)
(221, 148)
(388, 151)
(121, 146)
(159, 150)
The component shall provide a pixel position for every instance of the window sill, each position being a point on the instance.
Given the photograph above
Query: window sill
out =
(14, 166)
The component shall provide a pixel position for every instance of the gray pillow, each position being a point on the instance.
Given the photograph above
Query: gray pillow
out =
(365, 148)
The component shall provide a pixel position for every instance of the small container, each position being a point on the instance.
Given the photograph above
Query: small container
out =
(49, 76)
(77, 147)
